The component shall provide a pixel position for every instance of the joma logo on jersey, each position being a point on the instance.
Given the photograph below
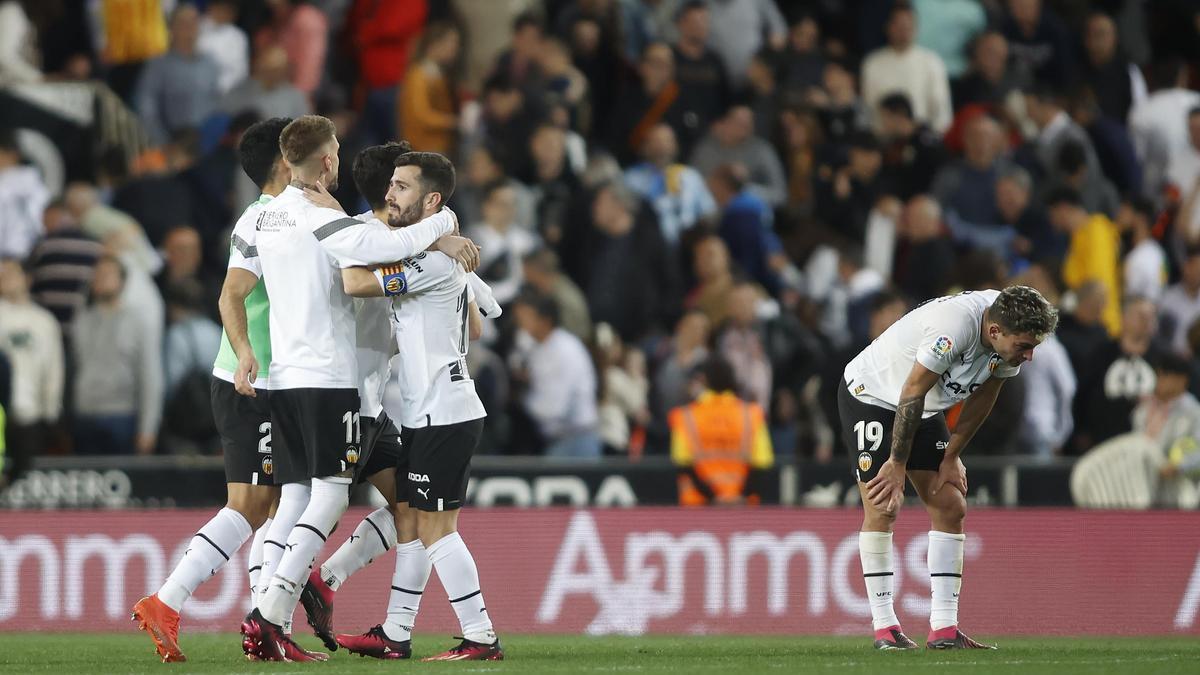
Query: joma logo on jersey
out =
(418, 477)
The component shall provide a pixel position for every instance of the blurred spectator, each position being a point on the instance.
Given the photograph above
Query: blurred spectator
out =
(191, 345)
(1097, 194)
(125, 46)
(561, 381)
(845, 195)
(1180, 304)
(1050, 387)
(1081, 330)
(745, 226)
(741, 28)
(503, 244)
(714, 279)
(429, 98)
(1183, 174)
(927, 256)
(8, 472)
(847, 300)
(32, 341)
(701, 75)
(990, 79)
(19, 58)
(653, 100)
(679, 357)
(118, 379)
(676, 191)
(623, 266)
(61, 265)
(1034, 239)
(946, 28)
(741, 342)
(966, 187)
(542, 273)
(1145, 266)
(624, 391)
(161, 200)
(1171, 417)
(183, 254)
(552, 182)
(303, 32)
(566, 88)
(732, 140)
(1055, 130)
(1093, 251)
(226, 44)
(519, 64)
(596, 53)
(382, 34)
(1117, 377)
(179, 89)
(906, 67)
(23, 199)
(1039, 42)
(1160, 125)
(506, 124)
(483, 168)
(802, 65)
(1114, 146)
(912, 152)
(1116, 83)
(840, 109)
(802, 143)
(720, 442)
(267, 91)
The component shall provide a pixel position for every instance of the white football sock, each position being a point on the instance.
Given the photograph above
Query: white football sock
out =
(293, 499)
(330, 497)
(408, 583)
(875, 551)
(945, 577)
(373, 537)
(208, 552)
(255, 559)
(459, 576)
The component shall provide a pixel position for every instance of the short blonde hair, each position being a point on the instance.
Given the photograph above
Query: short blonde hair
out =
(303, 136)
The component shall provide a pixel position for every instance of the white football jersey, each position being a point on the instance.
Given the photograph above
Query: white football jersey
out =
(373, 323)
(943, 335)
(243, 254)
(430, 307)
(303, 248)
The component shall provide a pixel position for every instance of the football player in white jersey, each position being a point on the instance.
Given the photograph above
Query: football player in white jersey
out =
(314, 402)
(441, 418)
(891, 402)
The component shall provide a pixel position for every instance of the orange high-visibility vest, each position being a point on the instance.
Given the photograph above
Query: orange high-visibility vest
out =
(720, 430)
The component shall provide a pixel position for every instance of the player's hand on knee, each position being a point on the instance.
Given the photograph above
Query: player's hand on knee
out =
(951, 472)
(886, 489)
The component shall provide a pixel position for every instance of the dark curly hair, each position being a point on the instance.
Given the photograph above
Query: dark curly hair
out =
(1021, 309)
(373, 171)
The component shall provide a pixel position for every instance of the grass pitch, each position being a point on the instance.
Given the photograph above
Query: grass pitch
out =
(132, 653)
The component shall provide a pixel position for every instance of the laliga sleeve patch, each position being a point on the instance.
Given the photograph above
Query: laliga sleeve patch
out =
(941, 346)
(394, 281)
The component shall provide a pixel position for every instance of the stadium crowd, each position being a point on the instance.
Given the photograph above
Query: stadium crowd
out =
(651, 182)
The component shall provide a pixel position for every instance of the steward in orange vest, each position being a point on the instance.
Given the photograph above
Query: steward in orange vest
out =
(719, 442)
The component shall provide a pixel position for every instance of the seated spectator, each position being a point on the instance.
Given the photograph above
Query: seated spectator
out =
(1081, 330)
(989, 80)
(912, 153)
(676, 191)
(743, 28)
(1034, 240)
(714, 279)
(542, 274)
(720, 442)
(802, 65)
(303, 31)
(503, 244)
(1093, 252)
(1114, 146)
(565, 87)
(118, 378)
(183, 257)
(1039, 42)
(483, 169)
(1097, 194)
(223, 41)
(1115, 81)
(802, 144)
(704, 90)
(741, 342)
(1180, 304)
(1045, 106)
(506, 125)
(23, 199)
(560, 380)
(1145, 266)
(31, 339)
(841, 111)
(732, 140)
(191, 345)
(61, 265)
(163, 200)
(623, 409)
(624, 267)
(906, 67)
(267, 91)
(966, 188)
(926, 255)
(552, 182)
(1117, 378)
(1170, 417)
(428, 100)
(179, 89)
(678, 358)
(520, 63)
(746, 227)
(652, 101)
(846, 195)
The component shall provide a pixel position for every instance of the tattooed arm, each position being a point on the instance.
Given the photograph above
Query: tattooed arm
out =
(886, 489)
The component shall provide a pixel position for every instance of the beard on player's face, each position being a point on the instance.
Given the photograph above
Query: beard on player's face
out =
(403, 217)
